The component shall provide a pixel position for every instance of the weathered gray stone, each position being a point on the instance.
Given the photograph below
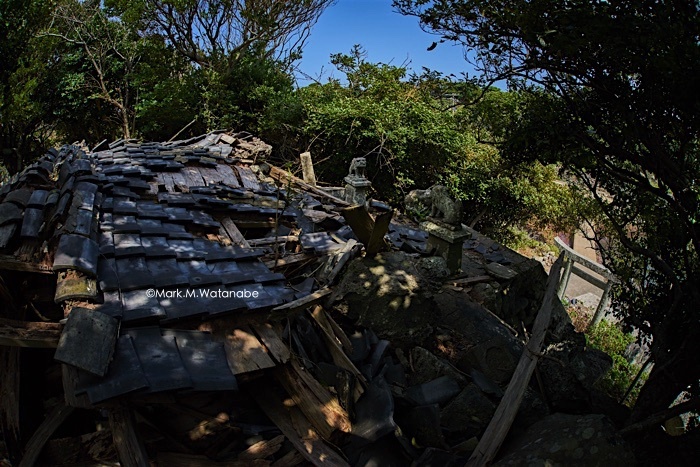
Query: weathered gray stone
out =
(469, 412)
(427, 367)
(500, 271)
(437, 391)
(565, 440)
(433, 268)
(388, 295)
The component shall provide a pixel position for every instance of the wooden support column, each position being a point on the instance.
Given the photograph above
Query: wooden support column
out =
(129, 445)
(9, 401)
(307, 167)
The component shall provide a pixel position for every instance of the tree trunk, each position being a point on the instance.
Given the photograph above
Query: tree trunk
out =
(673, 372)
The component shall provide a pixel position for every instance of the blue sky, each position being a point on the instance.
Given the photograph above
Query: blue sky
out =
(387, 37)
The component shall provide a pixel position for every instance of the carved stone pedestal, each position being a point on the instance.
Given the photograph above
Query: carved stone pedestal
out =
(447, 243)
(356, 189)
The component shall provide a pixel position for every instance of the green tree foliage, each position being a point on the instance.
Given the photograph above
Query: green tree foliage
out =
(616, 85)
(23, 74)
(416, 132)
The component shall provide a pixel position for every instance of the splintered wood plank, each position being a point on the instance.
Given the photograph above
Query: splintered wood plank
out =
(273, 240)
(245, 353)
(360, 222)
(292, 423)
(304, 302)
(319, 406)
(193, 176)
(248, 178)
(228, 176)
(289, 260)
(339, 357)
(327, 323)
(36, 443)
(181, 183)
(469, 280)
(11, 263)
(233, 233)
(29, 334)
(351, 249)
(291, 459)
(166, 180)
(284, 177)
(381, 227)
(152, 188)
(278, 349)
(262, 449)
(178, 459)
(210, 175)
(129, 444)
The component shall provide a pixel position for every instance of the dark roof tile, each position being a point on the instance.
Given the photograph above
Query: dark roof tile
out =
(140, 307)
(166, 272)
(205, 361)
(31, 225)
(107, 274)
(134, 273)
(76, 252)
(38, 199)
(125, 374)
(157, 247)
(127, 244)
(10, 212)
(160, 360)
(20, 197)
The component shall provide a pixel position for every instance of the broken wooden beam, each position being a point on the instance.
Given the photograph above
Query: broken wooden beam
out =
(469, 280)
(9, 402)
(369, 231)
(333, 339)
(262, 449)
(36, 443)
(319, 406)
(303, 302)
(15, 333)
(230, 229)
(273, 240)
(129, 445)
(502, 420)
(292, 423)
(290, 260)
(350, 250)
(10, 263)
(285, 178)
(245, 353)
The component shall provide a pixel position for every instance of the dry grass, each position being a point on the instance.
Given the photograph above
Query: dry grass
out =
(580, 316)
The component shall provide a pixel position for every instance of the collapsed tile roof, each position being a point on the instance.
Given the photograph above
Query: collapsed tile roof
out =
(125, 220)
(132, 246)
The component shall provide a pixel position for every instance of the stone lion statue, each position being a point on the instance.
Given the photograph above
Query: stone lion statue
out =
(437, 198)
(357, 167)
